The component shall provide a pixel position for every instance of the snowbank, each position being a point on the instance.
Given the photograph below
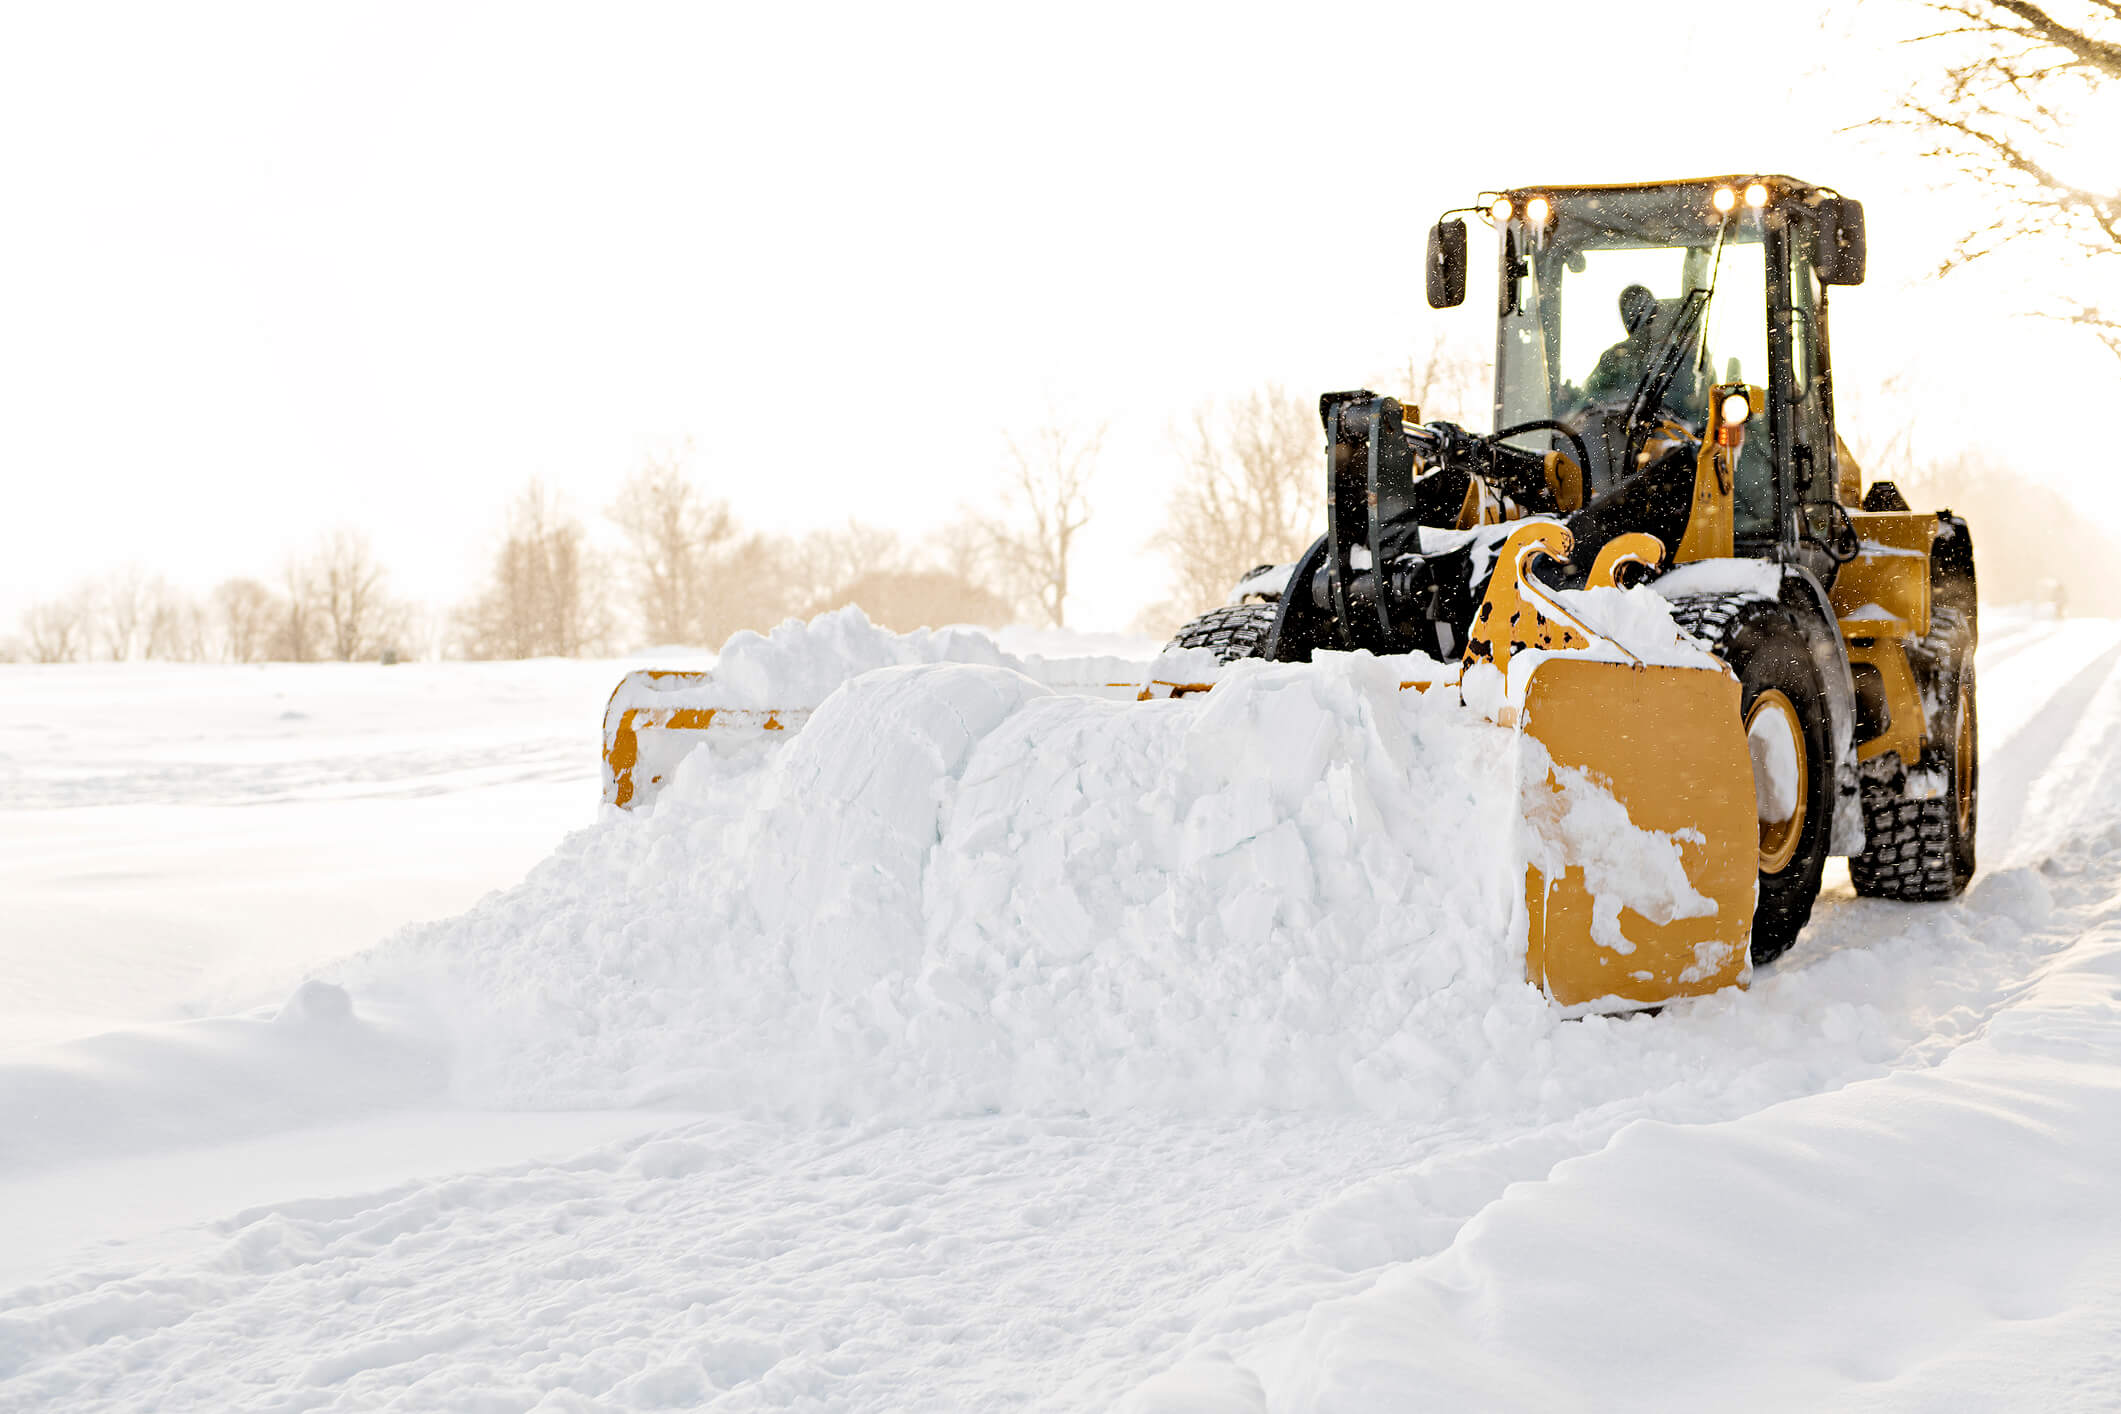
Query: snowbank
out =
(957, 889)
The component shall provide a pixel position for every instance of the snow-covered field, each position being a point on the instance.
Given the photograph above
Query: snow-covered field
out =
(1152, 1082)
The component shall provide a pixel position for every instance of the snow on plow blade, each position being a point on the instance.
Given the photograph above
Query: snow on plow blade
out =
(1667, 744)
(649, 726)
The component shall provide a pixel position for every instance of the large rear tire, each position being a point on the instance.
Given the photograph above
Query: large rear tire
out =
(1783, 706)
(1919, 825)
(1232, 632)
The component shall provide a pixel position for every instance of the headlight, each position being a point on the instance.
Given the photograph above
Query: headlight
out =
(1736, 408)
(1535, 211)
(1725, 198)
(1756, 195)
(1501, 209)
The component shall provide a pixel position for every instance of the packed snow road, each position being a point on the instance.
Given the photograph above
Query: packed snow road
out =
(1874, 1180)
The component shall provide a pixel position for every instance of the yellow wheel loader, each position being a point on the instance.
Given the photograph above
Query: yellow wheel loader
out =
(1665, 415)
(1662, 376)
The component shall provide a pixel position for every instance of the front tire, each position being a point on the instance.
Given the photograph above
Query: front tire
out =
(1784, 709)
(1232, 632)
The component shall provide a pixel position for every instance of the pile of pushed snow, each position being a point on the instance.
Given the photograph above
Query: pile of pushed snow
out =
(957, 889)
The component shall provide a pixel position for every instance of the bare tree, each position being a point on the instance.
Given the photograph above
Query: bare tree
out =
(59, 629)
(542, 599)
(162, 627)
(672, 532)
(756, 581)
(696, 577)
(1027, 549)
(298, 635)
(825, 562)
(175, 626)
(1251, 494)
(906, 599)
(355, 618)
(1446, 381)
(247, 614)
(123, 601)
(2003, 109)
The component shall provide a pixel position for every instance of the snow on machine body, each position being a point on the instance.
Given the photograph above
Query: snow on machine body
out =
(1820, 699)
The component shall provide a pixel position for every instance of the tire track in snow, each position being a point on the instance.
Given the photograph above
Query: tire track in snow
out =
(2031, 747)
(123, 782)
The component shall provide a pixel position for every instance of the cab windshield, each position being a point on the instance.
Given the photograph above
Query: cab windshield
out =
(1619, 289)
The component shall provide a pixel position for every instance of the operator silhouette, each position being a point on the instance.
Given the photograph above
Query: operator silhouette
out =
(1619, 368)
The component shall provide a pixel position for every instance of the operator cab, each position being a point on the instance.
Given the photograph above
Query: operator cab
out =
(1621, 308)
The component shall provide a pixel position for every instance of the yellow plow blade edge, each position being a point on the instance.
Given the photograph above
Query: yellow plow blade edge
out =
(1667, 742)
(648, 727)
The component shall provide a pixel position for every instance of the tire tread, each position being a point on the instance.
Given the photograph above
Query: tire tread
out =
(1910, 853)
(1231, 632)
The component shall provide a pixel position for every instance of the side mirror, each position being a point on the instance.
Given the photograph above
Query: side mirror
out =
(1447, 264)
(1840, 256)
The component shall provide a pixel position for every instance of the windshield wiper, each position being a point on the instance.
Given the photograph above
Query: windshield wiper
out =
(1663, 367)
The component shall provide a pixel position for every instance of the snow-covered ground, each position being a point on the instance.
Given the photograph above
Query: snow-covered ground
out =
(1153, 1092)
(183, 840)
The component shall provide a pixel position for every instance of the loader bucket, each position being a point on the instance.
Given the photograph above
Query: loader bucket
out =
(1667, 742)
(649, 725)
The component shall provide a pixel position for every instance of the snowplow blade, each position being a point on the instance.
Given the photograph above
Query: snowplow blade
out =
(649, 726)
(1668, 744)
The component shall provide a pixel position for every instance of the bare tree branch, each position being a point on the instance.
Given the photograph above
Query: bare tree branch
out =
(1999, 110)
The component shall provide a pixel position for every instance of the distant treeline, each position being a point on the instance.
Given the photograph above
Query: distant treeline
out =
(679, 568)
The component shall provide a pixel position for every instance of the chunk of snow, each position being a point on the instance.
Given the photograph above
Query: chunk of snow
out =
(1722, 576)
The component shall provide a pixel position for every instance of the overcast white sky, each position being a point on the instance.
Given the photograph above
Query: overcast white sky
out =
(270, 270)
